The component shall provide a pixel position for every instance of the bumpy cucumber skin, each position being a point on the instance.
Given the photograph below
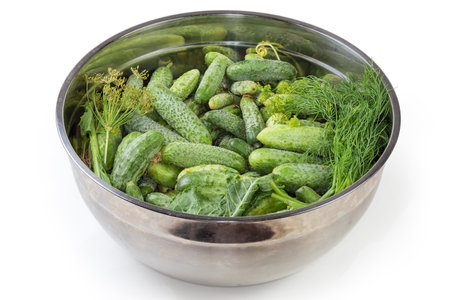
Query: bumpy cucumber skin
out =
(135, 81)
(144, 124)
(163, 76)
(306, 194)
(113, 143)
(210, 168)
(221, 100)
(211, 79)
(254, 122)
(228, 52)
(244, 87)
(131, 163)
(233, 109)
(203, 179)
(164, 174)
(264, 160)
(126, 141)
(172, 109)
(261, 70)
(210, 56)
(134, 191)
(237, 145)
(303, 138)
(293, 176)
(187, 155)
(228, 122)
(184, 85)
(147, 185)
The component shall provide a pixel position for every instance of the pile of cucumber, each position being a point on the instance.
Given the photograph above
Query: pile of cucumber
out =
(211, 147)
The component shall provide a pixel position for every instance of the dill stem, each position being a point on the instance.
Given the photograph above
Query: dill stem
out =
(106, 147)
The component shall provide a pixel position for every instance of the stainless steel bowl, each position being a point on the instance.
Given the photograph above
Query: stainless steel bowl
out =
(216, 250)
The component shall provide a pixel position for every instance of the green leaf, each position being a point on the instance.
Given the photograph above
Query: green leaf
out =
(239, 195)
(85, 122)
(207, 201)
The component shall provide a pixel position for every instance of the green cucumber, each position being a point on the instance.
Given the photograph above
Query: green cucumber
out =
(303, 139)
(163, 173)
(228, 52)
(228, 122)
(203, 179)
(214, 131)
(264, 160)
(196, 107)
(144, 124)
(133, 190)
(210, 56)
(126, 141)
(113, 143)
(266, 206)
(306, 194)
(276, 118)
(237, 145)
(261, 70)
(158, 199)
(211, 79)
(172, 109)
(223, 99)
(233, 109)
(265, 113)
(254, 122)
(332, 78)
(163, 76)
(210, 168)
(136, 81)
(131, 163)
(295, 175)
(147, 185)
(185, 84)
(244, 87)
(187, 155)
(251, 56)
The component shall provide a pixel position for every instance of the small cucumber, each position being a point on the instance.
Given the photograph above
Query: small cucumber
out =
(196, 107)
(228, 122)
(266, 206)
(214, 131)
(251, 56)
(253, 120)
(209, 168)
(187, 155)
(163, 76)
(237, 145)
(228, 52)
(306, 194)
(164, 174)
(233, 109)
(136, 81)
(113, 143)
(211, 79)
(264, 160)
(210, 56)
(244, 87)
(158, 199)
(172, 109)
(261, 70)
(186, 83)
(203, 179)
(294, 175)
(133, 190)
(332, 78)
(223, 99)
(147, 185)
(126, 141)
(144, 124)
(302, 139)
(131, 163)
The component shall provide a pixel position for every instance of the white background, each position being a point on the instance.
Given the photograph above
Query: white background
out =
(53, 248)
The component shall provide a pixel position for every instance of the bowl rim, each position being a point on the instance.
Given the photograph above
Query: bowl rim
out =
(366, 59)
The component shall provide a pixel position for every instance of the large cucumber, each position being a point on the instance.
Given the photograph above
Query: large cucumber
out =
(211, 79)
(144, 124)
(126, 141)
(131, 163)
(188, 155)
(263, 160)
(293, 176)
(228, 122)
(253, 120)
(172, 109)
(261, 70)
(303, 138)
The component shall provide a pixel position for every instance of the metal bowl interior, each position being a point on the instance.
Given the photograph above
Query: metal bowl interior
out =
(240, 247)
